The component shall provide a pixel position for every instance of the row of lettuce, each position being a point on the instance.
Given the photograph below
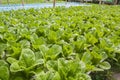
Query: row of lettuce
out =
(58, 44)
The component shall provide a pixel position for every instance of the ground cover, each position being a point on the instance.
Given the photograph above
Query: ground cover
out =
(59, 43)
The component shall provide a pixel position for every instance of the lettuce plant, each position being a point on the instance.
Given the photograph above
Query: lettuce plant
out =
(58, 44)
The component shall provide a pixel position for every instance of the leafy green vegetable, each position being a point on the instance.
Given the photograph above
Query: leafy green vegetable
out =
(105, 65)
(60, 43)
(5, 74)
(27, 58)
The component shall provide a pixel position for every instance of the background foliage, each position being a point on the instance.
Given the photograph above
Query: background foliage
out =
(25, 1)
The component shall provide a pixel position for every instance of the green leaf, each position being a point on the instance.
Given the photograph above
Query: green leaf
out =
(82, 76)
(25, 44)
(96, 57)
(11, 60)
(54, 51)
(86, 58)
(41, 76)
(45, 76)
(27, 58)
(4, 75)
(16, 51)
(117, 49)
(3, 63)
(44, 49)
(97, 69)
(62, 68)
(2, 48)
(2, 29)
(15, 67)
(104, 65)
(52, 65)
(104, 56)
(91, 38)
(52, 38)
(56, 76)
(37, 42)
(79, 45)
(67, 50)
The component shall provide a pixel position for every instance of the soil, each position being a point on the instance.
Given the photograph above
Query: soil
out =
(116, 76)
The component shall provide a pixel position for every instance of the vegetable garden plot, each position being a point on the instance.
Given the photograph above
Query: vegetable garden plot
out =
(58, 43)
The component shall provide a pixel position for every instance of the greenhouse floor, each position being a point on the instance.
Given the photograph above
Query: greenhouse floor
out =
(40, 5)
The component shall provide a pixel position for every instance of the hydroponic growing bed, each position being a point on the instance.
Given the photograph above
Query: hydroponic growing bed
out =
(59, 43)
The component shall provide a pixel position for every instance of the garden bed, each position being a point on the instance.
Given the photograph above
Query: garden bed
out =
(74, 43)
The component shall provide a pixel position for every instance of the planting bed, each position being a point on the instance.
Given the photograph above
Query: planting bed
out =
(59, 43)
